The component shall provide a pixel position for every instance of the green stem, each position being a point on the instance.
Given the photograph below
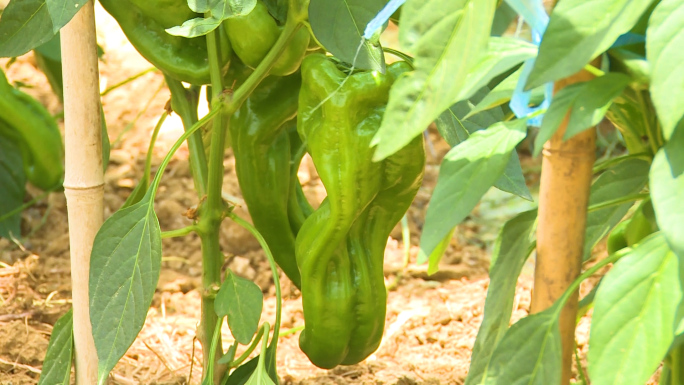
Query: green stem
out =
(126, 81)
(189, 132)
(588, 273)
(291, 331)
(274, 270)
(617, 202)
(211, 212)
(148, 159)
(24, 206)
(212, 351)
(238, 361)
(184, 103)
(610, 162)
(408, 59)
(675, 368)
(406, 238)
(178, 232)
(593, 70)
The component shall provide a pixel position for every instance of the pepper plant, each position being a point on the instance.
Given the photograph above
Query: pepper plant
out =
(289, 77)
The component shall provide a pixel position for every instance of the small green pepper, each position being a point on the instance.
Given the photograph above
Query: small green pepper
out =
(253, 35)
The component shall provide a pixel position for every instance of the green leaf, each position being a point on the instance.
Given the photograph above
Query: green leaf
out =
(241, 300)
(578, 32)
(664, 42)
(625, 178)
(667, 193)
(501, 94)
(339, 25)
(455, 129)
(503, 18)
(503, 53)
(26, 24)
(448, 37)
(511, 250)
(124, 270)
(466, 173)
(634, 313)
(57, 364)
(220, 10)
(529, 353)
(437, 253)
(13, 182)
(587, 103)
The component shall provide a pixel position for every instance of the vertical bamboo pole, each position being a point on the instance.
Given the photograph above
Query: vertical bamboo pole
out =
(563, 198)
(84, 179)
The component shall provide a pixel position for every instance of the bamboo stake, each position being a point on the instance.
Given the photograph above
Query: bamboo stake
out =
(563, 198)
(84, 179)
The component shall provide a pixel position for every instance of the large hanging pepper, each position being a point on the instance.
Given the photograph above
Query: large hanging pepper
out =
(340, 247)
(26, 122)
(144, 23)
(253, 35)
(260, 135)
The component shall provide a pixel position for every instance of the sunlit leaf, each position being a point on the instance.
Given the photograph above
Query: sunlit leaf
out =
(241, 300)
(634, 312)
(60, 352)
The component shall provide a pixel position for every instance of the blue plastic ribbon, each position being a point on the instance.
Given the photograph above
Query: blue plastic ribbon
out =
(381, 18)
(534, 14)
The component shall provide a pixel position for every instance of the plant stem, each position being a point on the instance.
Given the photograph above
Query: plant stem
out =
(178, 232)
(610, 162)
(617, 202)
(184, 103)
(408, 59)
(210, 218)
(150, 148)
(126, 81)
(593, 70)
(238, 361)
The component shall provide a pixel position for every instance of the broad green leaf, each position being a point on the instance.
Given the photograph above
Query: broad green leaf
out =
(625, 178)
(202, 6)
(501, 94)
(339, 25)
(220, 10)
(13, 182)
(587, 103)
(503, 53)
(241, 300)
(667, 193)
(243, 373)
(511, 250)
(454, 128)
(124, 270)
(634, 312)
(664, 42)
(529, 353)
(26, 24)
(578, 32)
(447, 37)
(467, 172)
(57, 364)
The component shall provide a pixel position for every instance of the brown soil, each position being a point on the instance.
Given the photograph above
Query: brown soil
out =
(431, 321)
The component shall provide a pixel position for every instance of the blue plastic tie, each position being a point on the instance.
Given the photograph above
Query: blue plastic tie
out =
(534, 14)
(381, 18)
